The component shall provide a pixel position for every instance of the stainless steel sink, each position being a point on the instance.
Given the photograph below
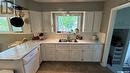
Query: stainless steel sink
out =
(66, 40)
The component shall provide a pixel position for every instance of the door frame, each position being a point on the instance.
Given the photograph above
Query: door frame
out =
(110, 32)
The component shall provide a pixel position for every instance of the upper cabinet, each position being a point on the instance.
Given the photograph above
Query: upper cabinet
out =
(97, 21)
(46, 21)
(86, 21)
(92, 21)
(36, 21)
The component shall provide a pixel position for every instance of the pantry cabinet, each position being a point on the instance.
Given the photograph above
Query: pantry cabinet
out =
(72, 52)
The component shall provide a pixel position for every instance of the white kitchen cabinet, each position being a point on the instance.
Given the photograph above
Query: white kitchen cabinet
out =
(72, 52)
(46, 21)
(97, 21)
(97, 53)
(62, 55)
(62, 52)
(92, 21)
(76, 53)
(49, 52)
(88, 52)
(92, 53)
(31, 61)
(36, 21)
(88, 21)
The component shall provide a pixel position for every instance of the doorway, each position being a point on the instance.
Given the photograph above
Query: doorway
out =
(117, 47)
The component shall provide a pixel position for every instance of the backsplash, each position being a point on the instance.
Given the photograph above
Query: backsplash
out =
(85, 35)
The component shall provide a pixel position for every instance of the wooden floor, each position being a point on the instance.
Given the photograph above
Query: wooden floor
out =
(71, 67)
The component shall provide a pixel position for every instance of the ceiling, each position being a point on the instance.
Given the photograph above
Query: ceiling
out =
(67, 0)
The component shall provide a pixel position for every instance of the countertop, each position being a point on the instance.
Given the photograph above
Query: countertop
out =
(79, 42)
(6, 71)
(19, 51)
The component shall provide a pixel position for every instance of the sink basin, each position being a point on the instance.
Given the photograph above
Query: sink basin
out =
(65, 40)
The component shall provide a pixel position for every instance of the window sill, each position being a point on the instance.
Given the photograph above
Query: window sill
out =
(13, 33)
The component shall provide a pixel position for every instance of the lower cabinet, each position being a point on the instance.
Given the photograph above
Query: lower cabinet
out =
(92, 53)
(48, 52)
(32, 61)
(76, 55)
(62, 55)
(71, 52)
(88, 54)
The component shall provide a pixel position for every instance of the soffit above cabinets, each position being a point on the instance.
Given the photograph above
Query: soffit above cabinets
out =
(52, 1)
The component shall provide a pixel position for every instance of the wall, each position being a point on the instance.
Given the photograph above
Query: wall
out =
(6, 39)
(29, 4)
(109, 4)
(86, 6)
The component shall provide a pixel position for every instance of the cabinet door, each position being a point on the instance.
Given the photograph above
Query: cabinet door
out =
(88, 21)
(36, 21)
(76, 55)
(48, 52)
(97, 53)
(62, 55)
(92, 53)
(46, 20)
(88, 54)
(97, 21)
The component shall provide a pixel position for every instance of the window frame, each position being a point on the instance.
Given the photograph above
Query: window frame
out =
(9, 24)
(64, 13)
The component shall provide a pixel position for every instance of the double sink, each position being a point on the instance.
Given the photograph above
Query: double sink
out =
(68, 40)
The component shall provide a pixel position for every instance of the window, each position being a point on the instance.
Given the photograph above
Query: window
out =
(5, 26)
(66, 22)
(17, 29)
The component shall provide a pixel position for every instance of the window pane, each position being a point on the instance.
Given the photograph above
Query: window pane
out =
(4, 24)
(67, 23)
(17, 29)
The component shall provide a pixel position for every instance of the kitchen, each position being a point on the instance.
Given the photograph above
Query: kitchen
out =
(47, 44)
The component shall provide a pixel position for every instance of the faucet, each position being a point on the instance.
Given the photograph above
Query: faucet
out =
(68, 37)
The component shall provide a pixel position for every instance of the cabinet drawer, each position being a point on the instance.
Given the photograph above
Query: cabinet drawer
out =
(74, 47)
(50, 45)
(88, 46)
(63, 47)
